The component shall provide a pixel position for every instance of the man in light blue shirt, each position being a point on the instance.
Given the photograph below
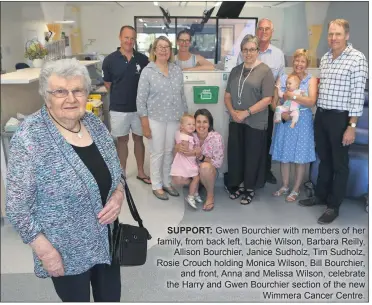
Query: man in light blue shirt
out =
(274, 58)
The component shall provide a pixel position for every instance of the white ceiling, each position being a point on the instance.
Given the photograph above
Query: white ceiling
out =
(204, 4)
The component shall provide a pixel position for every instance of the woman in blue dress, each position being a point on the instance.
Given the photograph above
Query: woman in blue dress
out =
(295, 145)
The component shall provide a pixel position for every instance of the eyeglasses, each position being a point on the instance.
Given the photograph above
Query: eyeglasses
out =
(184, 40)
(246, 51)
(163, 48)
(129, 39)
(64, 92)
(264, 29)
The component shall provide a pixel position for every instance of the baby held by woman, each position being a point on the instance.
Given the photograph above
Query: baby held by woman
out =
(185, 165)
(293, 85)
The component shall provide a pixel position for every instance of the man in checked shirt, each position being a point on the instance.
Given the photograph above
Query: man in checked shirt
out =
(343, 74)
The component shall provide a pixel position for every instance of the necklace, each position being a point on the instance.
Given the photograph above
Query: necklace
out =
(79, 134)
(240, 91)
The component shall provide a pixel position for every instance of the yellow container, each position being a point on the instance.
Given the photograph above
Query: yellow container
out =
(89, 107)
(95, 97)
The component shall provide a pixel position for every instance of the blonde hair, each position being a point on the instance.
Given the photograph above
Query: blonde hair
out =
(341, 22)
(302, 53)
(152, 56)
(186, 116)
(295, 77)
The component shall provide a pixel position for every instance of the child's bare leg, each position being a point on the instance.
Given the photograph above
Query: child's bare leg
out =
(278, 114)
(194, 185)
(180, 181)
(294, 114)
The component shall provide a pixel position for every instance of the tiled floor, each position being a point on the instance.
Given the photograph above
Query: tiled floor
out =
(147, 283)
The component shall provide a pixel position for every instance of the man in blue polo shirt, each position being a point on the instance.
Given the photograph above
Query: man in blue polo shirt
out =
(274, 58)
(121, 72)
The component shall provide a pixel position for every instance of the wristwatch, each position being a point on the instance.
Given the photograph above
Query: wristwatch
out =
(353, 125)
(202, 159)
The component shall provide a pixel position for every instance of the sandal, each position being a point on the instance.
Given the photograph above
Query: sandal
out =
(171, 191)
(236, 194)
(208, 207)
(163, 196)
(282, 191)
(145, 180)
(292, 197)
(247, 197)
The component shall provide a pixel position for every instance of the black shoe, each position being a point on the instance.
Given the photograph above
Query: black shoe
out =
(270, 178)
(328, 216)
(309, 202)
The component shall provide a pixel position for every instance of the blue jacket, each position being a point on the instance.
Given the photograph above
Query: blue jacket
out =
(51, 191)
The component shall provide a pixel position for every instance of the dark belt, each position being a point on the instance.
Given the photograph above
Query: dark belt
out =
(331, 110)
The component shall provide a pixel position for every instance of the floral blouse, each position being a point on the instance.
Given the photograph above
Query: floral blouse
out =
(212, 148)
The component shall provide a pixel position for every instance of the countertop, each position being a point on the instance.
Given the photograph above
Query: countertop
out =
(29, 75)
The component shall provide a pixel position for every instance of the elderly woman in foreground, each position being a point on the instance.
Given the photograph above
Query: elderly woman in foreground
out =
(64, 188)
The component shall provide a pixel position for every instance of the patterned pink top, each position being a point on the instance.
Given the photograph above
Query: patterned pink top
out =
(212, 148)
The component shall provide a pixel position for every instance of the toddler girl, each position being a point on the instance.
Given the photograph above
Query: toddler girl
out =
(186, 166)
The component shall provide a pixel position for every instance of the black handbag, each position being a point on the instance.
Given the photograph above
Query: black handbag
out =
(129, 243)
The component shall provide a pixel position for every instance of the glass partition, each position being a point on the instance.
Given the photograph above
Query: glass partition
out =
(230, 34)
(149, 28)
(203, 41)
(213, 40)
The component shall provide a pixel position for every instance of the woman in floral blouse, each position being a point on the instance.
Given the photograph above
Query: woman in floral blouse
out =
(209, 152)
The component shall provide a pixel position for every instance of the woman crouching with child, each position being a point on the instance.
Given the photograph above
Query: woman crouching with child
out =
(208, 153)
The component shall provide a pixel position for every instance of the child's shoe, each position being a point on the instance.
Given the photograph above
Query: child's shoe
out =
(198, 198)
(191, 201)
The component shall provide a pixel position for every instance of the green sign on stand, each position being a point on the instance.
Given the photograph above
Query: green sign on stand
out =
(205, 94)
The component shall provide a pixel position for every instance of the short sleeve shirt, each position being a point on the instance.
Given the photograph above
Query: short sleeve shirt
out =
(123, 76)
(259, 84)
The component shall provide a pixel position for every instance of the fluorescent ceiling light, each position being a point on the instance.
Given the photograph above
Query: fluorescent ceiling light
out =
(140, 20)
(64, 21)
(145, 24)
(156, 3)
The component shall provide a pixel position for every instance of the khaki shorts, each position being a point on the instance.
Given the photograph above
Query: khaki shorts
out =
(124, 122)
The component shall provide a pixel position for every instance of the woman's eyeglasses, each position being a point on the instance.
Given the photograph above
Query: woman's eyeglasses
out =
(184, 40)
(246, 51)
(64, 92)
(161, 48)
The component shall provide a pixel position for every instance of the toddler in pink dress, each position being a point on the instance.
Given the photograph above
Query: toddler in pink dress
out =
(186, 166)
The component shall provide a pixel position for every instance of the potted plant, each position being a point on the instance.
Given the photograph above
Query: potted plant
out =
(36, 52)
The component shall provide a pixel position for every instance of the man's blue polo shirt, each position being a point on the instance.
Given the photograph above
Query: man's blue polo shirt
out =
(123, 76)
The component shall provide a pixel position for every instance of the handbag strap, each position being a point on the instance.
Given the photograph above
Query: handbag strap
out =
(131, 204)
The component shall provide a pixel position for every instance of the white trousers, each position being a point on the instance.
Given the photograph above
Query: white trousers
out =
(161, 152)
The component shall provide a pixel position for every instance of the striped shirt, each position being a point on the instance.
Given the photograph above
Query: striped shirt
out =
(273, 57)
(343, 81)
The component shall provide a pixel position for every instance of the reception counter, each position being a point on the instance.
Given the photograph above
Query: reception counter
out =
(19, 92)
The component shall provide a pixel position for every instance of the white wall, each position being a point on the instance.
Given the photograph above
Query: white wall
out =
(12, 47)
(103, 21)
(357, 15)
(20, 22)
